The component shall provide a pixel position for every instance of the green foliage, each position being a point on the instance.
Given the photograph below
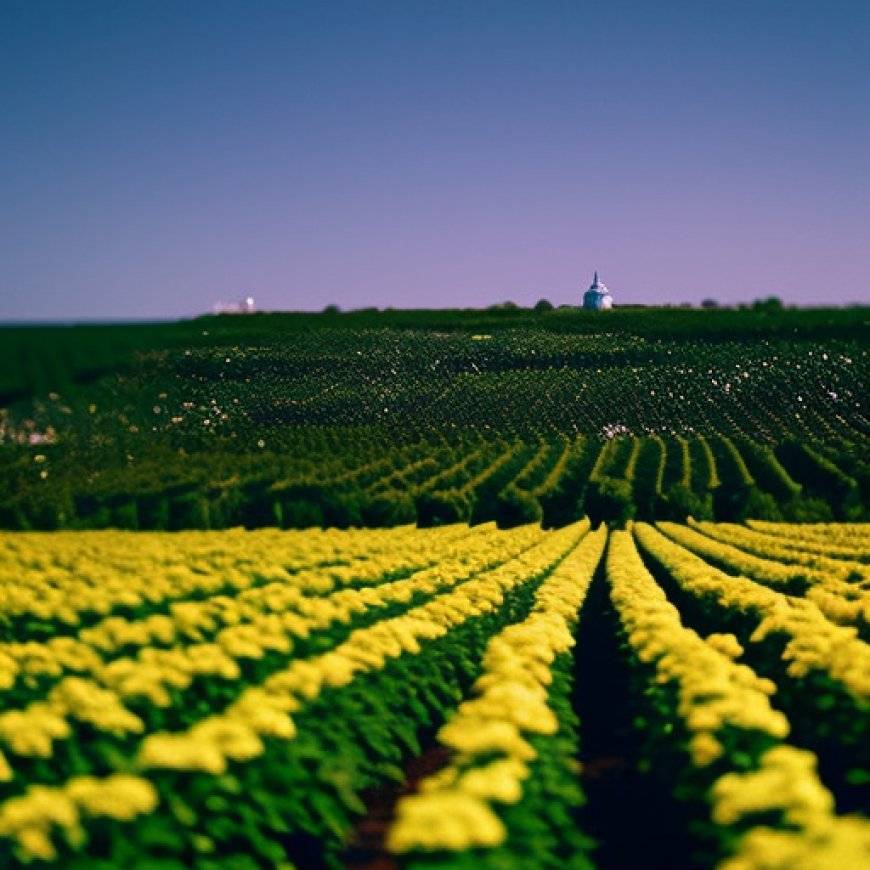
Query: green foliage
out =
(767, 470)
(301, 506)
(542, 826)
(610, 500)
(680, 502)
(648, 476)
(188, 510)
(515, 507)
(822, 478)
(807, 510)
(738, 502)
(357, 419)
(441, 508)
(761, 506)
(393, 508)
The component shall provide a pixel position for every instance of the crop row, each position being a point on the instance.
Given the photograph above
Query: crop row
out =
(240, 694)
(708, 732)
(353, 420)
(246, 722)
(714, 739)
(471, 476)
(512, 746)
(804, 643)
(133, 674)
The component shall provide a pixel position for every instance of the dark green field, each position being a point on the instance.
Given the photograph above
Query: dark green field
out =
(385, 418)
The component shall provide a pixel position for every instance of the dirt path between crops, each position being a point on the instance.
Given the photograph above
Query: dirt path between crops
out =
(366, 850)
(617, 792)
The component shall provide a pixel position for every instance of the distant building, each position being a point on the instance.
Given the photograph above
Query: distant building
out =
(597, 297)
(244, 306)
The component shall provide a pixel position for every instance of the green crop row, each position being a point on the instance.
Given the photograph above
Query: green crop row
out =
(468, 477)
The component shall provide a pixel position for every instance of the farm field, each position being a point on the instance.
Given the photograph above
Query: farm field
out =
(437, 591)
(387, 418)
(572, 575)
(258, 698)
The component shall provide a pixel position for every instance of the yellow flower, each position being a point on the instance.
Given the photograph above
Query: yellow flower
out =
(241, 642)
(515, 703)
(35, 843)
(703, 717)
(36, 660)
(6, 772)
(500, 780)
(271, 723)
(786, 781)
(295, 625)
(369, 657)
(452, 822)
(337, 670)
(88, 702)
(842, 842)
(180, 752)
(477, 736)
(233, 738)
(705, 749)
(191, 619)
(440, 780)
(32, 731)
(727, 644)
(208, 659)
(30, 818)
(119, 796)
(161, 629)
(138, 680)
(265, 713)
(40, 805)
(8, 671)
(302, 678)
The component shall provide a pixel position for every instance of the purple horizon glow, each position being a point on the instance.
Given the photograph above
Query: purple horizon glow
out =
(158, 157)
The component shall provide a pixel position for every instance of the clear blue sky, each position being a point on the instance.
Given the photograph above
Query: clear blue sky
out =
(157, 156)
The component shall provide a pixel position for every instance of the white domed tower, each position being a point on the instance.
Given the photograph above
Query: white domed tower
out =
(597, 297)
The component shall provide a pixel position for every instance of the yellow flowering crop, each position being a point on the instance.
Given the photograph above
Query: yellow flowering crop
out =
(851, 538)
(815, 643)
(32, 819)
(445, 821)
(225, 630)
(712, 690)
(153, 629)
(235, 735)
(32, 732)
(825, 558)
(487, 736)
(786, 784)
(844, 601)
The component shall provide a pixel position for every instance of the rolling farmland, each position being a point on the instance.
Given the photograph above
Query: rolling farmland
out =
(383, 419)
(437, 591)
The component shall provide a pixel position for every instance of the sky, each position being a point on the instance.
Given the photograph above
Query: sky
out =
(157, 156)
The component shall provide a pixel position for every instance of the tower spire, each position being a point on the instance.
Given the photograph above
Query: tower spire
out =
(595, 279)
